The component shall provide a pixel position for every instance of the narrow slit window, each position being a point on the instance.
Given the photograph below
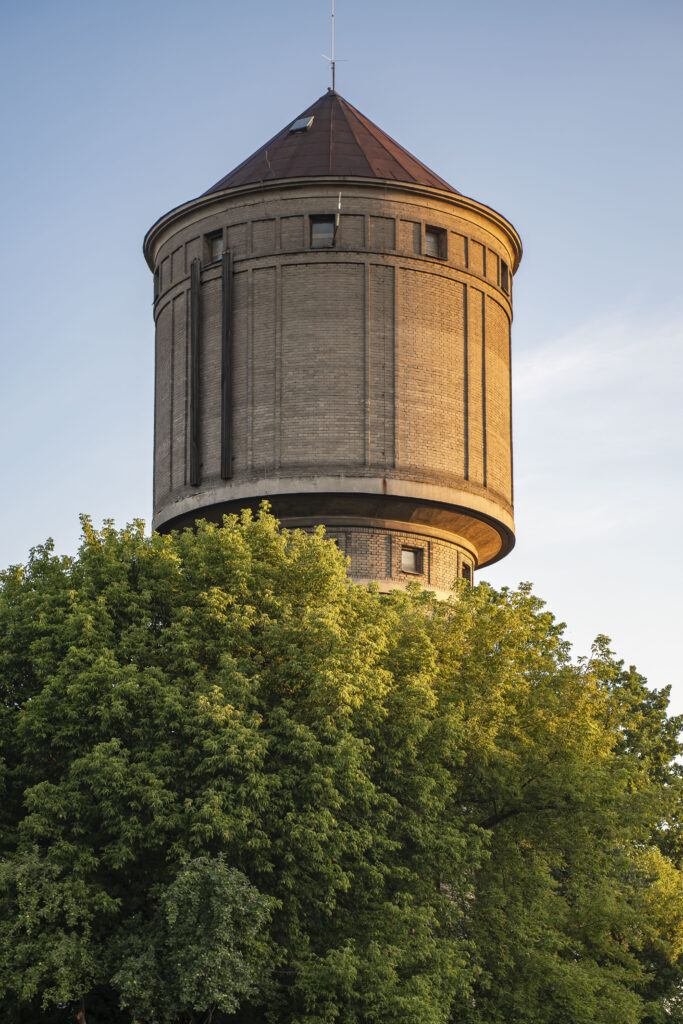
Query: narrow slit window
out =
(467, 572)
(435, 242)
(504, 276)
(322, 231)
(157, 282)
(411, 560)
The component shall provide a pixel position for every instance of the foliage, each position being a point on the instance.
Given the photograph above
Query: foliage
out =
(235, 787)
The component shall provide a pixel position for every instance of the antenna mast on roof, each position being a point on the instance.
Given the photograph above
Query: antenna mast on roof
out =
(331, 58)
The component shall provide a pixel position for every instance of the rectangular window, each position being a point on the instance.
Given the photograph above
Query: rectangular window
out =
(467, 572)
(435, 242)
(411, 560)
(322, 231)
(214, 247)
(504, 276)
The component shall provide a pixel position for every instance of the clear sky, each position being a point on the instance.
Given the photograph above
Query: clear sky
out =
(565, 117)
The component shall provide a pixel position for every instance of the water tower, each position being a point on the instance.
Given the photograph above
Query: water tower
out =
(333, 334)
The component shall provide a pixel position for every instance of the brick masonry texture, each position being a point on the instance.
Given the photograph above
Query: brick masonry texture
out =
(368, 359)
(375, 553)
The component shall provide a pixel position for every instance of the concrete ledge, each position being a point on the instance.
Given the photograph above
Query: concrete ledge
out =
(471, 520)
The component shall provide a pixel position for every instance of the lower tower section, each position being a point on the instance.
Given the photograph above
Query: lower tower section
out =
(392, 530)
(392, 555)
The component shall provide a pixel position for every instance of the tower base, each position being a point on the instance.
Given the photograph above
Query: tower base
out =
(394, 554)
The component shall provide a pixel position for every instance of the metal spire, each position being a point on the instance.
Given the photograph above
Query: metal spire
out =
(331, 58)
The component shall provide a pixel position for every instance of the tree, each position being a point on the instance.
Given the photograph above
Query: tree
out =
(236, 787)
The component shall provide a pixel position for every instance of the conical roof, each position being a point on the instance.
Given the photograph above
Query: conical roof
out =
(339, 142)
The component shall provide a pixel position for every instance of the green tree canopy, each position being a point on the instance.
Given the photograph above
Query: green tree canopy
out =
(235, 787)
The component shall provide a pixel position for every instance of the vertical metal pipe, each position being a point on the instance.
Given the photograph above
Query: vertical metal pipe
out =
(195, 286)
(226, 369)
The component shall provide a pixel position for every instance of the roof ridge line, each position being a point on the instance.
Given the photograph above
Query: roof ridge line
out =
(343, 104)
(381, 142)
(330, 152)
(363, 119)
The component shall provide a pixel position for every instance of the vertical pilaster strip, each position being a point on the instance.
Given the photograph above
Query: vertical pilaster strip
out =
(387, 386)
(249, 371)
(156, 406)
(483, 385)
(397, 342)
(186, 390)
(512, 455)
(367, 317)
(171, 424)
(226, 369)
(277, 413)
(195, 286)
(466, 385)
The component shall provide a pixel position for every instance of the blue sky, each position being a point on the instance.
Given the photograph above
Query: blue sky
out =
(566, 118)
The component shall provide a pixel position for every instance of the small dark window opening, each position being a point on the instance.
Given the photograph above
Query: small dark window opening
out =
(504, 276)
(157, 282)
(214, 247)
(435, 242)
(467, 572)
(322, 231)
(411, 560)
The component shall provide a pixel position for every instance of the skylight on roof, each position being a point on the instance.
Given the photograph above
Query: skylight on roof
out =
(302, 124)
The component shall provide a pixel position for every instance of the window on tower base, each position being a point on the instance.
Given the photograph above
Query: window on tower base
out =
(213, 247)
(435, 242)
(322, 231)
(411, 560)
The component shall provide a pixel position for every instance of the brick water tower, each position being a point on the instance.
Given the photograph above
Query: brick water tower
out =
(333, 334)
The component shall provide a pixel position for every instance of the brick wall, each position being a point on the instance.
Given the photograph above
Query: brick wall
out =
(376, 554)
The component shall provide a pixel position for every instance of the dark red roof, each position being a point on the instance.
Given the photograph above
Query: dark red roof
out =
(341, 142)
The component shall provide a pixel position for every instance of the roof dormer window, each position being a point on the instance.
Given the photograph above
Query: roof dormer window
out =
(302, 124)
